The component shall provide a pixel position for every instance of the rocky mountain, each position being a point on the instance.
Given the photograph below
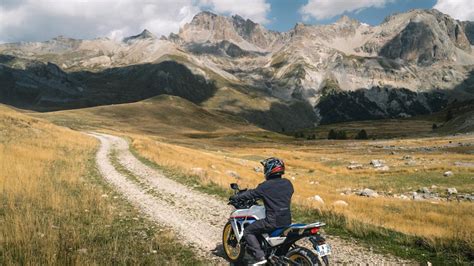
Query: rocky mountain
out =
(412, 63)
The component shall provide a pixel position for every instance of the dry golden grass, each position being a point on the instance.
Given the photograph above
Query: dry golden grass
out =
(309, 163)
(318, 167)
(53, 209)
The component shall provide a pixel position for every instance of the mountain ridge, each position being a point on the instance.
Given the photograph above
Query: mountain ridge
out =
(408, 56)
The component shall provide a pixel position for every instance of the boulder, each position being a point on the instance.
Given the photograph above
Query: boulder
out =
(416, 196)
(448, 174)
(452, 190)
(377, 163)
(367, 192)
(340, 203)
(424, 190)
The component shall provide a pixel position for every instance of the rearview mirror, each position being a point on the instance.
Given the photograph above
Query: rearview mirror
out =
(234, 186)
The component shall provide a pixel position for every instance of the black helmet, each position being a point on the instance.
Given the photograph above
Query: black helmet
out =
(273, 167)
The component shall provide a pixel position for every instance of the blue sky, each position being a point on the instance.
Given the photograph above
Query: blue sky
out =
(40, 20)
(285, 14)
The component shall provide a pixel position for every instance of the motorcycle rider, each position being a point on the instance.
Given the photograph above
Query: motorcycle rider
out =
(276, 194)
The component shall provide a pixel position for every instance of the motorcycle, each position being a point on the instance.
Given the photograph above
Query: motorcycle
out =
(280, 245)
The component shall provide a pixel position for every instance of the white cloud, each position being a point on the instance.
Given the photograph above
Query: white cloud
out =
(324, 9)
(37, 20)
(256, 10)
(458, 9)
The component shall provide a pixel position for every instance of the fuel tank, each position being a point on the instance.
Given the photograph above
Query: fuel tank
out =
(255, 211)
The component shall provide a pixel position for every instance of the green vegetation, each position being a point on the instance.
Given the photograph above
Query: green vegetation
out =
(340, 134)
(362, 135)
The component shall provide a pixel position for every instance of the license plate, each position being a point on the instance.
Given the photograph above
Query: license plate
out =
(323, 250)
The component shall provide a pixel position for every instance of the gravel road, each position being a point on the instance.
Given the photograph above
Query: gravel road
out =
(196, 218)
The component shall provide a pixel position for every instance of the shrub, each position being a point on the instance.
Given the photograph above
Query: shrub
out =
(362, 134)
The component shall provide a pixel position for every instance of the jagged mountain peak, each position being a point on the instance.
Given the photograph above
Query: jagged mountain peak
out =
(209, 27)
(346, 20)
(145, 34)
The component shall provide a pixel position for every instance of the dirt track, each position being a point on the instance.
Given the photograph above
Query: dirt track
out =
(196, 218)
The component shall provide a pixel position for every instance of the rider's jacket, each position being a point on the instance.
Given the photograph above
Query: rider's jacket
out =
(276, 194)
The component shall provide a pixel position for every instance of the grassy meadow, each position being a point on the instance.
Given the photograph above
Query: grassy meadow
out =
(56, 209)
(213, 154)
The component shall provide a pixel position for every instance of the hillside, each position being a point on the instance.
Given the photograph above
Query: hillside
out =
(161, 115)
(56, 209)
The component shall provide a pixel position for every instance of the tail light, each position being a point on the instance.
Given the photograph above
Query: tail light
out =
(314, 230)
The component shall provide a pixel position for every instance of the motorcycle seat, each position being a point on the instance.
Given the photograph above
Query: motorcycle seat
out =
(279, 231)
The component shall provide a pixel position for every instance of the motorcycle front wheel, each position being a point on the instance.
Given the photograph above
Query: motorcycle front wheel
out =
(233, 250)
(304, 256)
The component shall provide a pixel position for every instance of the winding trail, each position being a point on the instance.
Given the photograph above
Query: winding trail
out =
(196, 218)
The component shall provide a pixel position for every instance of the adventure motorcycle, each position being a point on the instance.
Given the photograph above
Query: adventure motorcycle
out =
(279, 246)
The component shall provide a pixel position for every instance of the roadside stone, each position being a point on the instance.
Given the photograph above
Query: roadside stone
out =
(340, 203)
(452, 190)
(233, 174)
(257, 169)
(448, 173)
(407, 157)
(367, 192)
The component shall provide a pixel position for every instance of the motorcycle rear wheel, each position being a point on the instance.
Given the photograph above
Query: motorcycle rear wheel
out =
(304, 256)
(234, 251)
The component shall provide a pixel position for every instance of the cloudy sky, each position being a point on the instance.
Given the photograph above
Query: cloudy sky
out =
(39, 20)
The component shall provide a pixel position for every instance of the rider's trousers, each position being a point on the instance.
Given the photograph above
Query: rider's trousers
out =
(250, 234)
